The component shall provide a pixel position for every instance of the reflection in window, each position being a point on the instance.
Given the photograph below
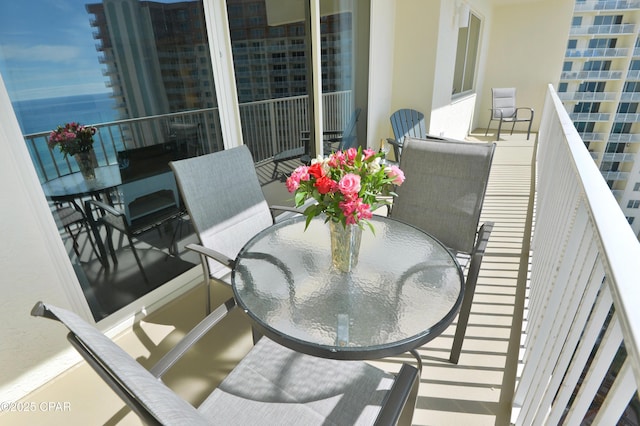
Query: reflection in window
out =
(135, 70)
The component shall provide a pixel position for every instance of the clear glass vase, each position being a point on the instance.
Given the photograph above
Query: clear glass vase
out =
(345, 245)
(86, 163)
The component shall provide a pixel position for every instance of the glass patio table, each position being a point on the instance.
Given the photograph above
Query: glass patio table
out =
(405, 290)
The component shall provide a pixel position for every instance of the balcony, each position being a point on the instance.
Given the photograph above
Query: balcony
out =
(591, 75)
(597, 53)
(556, 284)
(615, 29)
(588, 96)
(589, 116)
(606, 5)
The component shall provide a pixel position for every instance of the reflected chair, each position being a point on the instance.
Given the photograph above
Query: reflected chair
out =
(504, 110)
(407, 123)
(113, 218)
(226, 206)
(445, 186)
(334, 140)
(271, 383)
(69, 216)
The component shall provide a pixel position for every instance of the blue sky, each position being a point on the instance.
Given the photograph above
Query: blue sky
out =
(47, 49)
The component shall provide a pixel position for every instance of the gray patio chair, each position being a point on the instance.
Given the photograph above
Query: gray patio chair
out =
(407, 123)
(504, 110)
(443, 194)
(271, 385)
(226, 206)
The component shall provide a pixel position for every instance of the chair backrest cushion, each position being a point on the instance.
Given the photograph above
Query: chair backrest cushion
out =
(160, 401)
(445, 185)
(408, 123)
(224, 199)
(504, 99)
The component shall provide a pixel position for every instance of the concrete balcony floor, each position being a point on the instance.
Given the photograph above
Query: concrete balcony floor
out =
(477, 391)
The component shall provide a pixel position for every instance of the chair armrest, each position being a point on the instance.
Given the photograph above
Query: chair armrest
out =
(394, 142)
(496, 112)
(215, 255)
(104, 206)
(286, 209)
(191, 338)
(403, 391)
(527, 109)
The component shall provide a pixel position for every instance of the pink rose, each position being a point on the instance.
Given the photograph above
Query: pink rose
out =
(349, 184)
(368, 153)
(351, 154)
(299, 174)
(396, 174)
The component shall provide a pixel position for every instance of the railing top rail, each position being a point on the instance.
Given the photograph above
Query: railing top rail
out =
(619, 245)
(133, 120)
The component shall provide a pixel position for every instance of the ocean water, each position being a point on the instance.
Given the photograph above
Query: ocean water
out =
(42, 115)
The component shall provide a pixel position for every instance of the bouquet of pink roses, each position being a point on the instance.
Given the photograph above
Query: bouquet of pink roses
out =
(72, 138)
(347, 186)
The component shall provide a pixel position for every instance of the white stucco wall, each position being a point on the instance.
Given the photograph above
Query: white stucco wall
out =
(527, 42)
(522, 45)
(33, 267)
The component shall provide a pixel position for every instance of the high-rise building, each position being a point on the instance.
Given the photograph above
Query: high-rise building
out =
(600, 88)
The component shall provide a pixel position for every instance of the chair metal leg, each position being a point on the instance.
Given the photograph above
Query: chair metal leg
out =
(135, 254)
(499, 128)
(486, 132)
(470, 288)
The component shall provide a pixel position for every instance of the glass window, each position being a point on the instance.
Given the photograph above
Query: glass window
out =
(566, 66)
(274, 105)
(562, 87)
(572, 44)
(636, 186)
(140, 85)
(466, 54)
(576, 21)
(633, 204)
(602, 43)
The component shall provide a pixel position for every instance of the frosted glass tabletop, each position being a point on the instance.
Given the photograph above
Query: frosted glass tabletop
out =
(404, 291)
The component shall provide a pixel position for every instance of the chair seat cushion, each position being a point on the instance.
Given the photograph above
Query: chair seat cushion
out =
(275, 385)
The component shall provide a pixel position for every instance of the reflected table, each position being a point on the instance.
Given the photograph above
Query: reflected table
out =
(74, 187)
(405, 290)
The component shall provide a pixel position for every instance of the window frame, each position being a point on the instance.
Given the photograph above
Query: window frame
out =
(467, 55)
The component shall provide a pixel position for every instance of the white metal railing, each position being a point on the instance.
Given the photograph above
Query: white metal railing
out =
(583, 290)
(603, 29)
(597, 5)
(588, 96)
(591, 75)
(268, 127)
(597, 52)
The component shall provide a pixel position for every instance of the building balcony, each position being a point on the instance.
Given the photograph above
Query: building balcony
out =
(622, 29)
(630, 97)
(619, 156)
(590, 116)
(611, 5)
(588, 96)
(624, 137)
(597, 53)
(627, 117)
(591, 75)
(549, 296)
